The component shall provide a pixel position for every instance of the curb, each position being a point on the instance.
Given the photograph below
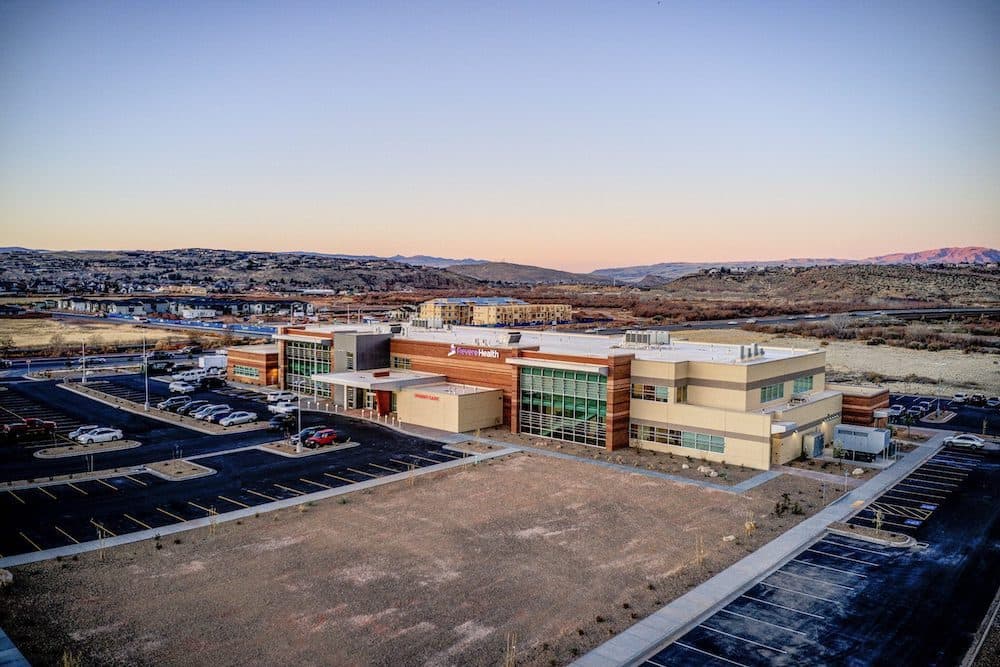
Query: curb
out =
(129, 538)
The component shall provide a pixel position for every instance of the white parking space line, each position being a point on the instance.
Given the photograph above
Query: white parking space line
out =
(812, 579)
(757, 620)
(827, 567)
(918, 493)
(698, 650)
(781, 606)
(931, 480)
(742, 639)
(792, 590)
(917, 486)
(854, 548)
(855, 560)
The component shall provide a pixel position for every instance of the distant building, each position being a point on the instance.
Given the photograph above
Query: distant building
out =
(490, 311)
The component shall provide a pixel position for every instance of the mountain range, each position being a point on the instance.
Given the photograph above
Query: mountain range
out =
(646, 275)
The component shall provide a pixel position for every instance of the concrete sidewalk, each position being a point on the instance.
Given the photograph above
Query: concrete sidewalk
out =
(9, 655)
(657, 630)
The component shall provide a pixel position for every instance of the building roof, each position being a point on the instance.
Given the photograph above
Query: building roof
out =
(570, 344)
(387, 379)
(479, 300)
(263, 348)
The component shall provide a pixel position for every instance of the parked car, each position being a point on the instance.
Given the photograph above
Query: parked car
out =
(307, 433)
(101, 435)
(241, 417)
(181, 387)
(5, 363)
(965, 440)
(206, 410)
(158, 367)
(211, 382)
(75, 434)
(173, 402)
(283, 408)
(217, 413)
(280, 422)
(157, 354)
(190, 349)
(896, 410)
(30, 427)
(281, 396)
(993, 402)
(732, 323)
(325, 437)
(959, 398)
(915, 410)
(217, 371)
(977, 399)
(190, 407)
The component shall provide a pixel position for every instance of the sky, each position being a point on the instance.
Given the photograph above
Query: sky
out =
(569, 134)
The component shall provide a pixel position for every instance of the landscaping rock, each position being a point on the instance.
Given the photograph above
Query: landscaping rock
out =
(857, 472)
(728, 538)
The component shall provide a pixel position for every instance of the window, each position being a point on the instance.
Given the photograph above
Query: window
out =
(401, 363)
(246, 371)
(563, 404)
(651, 392)
(349, 360)
(668, 436)
(302, 361)
(804, 383)
(772, 392)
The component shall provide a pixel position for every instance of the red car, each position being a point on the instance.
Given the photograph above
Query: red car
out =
(325, 437)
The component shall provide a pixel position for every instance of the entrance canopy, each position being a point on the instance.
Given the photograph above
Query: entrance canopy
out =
(381, 379)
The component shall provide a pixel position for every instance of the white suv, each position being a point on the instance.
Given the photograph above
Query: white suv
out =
(281, 396)
(959, 398)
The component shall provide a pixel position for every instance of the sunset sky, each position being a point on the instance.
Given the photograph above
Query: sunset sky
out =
(573, 135)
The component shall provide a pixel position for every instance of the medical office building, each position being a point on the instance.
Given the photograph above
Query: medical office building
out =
(745, 405)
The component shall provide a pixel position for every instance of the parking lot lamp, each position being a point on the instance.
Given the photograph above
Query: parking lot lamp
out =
(83, 361)
(298, 443)
(145, 365)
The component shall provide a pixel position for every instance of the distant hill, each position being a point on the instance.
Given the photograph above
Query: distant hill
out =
(967, 255)
(412, 260)
(674, 270)
(880, 285)
(505, 272)
(12, 249)
(138, 271)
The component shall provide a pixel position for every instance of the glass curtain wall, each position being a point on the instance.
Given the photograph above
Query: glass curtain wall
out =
(302, 360)
(564, 404)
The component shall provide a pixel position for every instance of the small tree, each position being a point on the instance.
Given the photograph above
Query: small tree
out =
(6, 344)
(57, 345)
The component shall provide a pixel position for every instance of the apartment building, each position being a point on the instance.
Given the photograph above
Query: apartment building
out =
(492, 311)
(746, 405)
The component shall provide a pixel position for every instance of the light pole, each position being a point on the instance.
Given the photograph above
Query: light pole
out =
(145, 366)
(298, 442)
(83, 360)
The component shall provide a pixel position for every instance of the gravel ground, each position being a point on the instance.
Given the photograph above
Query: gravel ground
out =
(559, 553)
(639, 458)
(956, 370)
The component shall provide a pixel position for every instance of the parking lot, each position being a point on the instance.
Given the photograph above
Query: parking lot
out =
(58, 514)
(844, 600)
(968, 418)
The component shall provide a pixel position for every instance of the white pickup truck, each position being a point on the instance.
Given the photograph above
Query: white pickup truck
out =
(283, 408)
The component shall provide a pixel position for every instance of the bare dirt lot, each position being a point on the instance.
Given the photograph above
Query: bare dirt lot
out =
(903, 370)
(34, 333)
(560, 553)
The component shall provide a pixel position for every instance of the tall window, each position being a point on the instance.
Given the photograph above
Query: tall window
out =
(563, 404)
(401, 363)
(651, 392)
(772, 392)
(349, 360)
(804, 383)
(302, 361)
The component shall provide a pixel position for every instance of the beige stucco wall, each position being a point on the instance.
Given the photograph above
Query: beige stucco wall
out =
(450, 412)
(789, 446)
(747, 435)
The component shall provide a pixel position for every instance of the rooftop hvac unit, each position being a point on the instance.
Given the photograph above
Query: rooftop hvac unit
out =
(396, 329)
(652, 337)
(514, 338)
